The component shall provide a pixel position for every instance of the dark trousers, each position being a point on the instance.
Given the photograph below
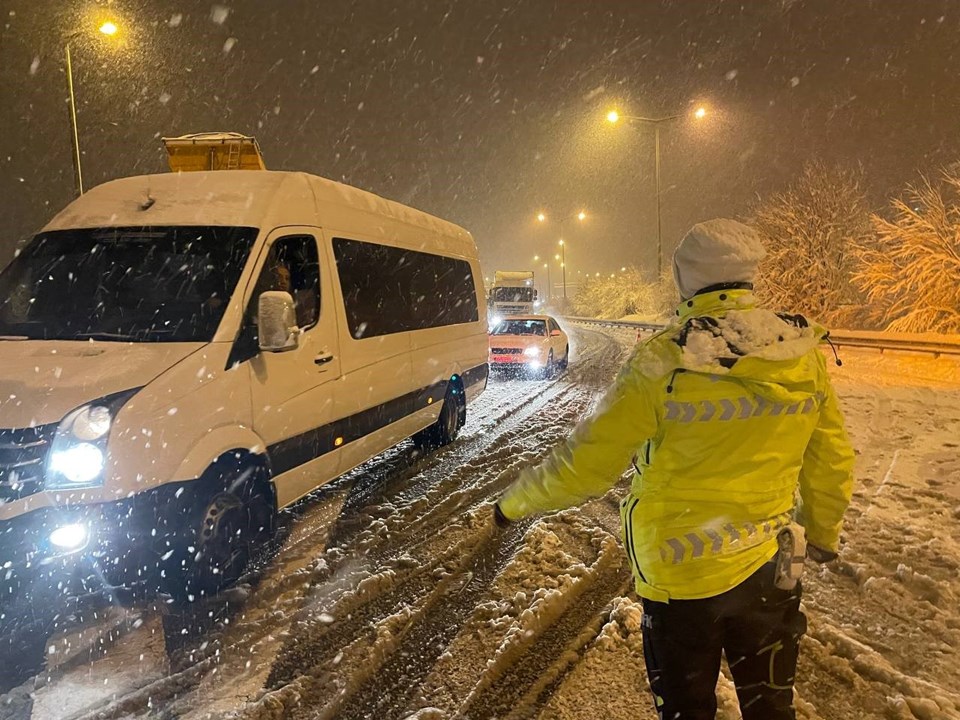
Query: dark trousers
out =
(758, 627)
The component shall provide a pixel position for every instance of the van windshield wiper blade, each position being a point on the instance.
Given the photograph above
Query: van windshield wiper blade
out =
(109, 337)
(14, 337)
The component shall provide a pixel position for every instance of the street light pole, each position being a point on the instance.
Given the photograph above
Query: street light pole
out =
(613, 116)
(107, 28)
(656, 154)
(581, 216)
(75, 136)
(563, 266)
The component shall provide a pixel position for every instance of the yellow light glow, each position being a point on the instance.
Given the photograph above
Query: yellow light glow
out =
(700, 113)
(541, 217)
(556, 257)
(536, 258)
(338, 442)
(613, 116)
(108, 28)
(429, 401)
(561, 242)
(623, 269)
(582, 216)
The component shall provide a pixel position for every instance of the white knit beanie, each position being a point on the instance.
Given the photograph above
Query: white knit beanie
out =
(715, 252)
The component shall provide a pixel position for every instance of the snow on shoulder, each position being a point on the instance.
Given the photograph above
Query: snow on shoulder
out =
(745, 333)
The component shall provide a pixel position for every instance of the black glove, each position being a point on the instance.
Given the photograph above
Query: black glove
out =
(819, 555)
(499, 519)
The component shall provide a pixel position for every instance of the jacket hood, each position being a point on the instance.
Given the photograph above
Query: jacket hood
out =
(44, 380)
(724, 333)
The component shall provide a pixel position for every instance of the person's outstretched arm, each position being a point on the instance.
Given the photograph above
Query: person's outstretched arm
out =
(592, 460)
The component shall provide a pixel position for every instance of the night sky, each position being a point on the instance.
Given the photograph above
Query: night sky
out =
(485, 112)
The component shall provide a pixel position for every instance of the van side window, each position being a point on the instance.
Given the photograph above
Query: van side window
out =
(293, 266)
(390, 290)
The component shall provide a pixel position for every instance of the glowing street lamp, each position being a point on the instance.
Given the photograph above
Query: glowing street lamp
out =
(613, 117)
(581, 216)
(109, 29)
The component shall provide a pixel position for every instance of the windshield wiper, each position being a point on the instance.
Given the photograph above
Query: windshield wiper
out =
(14, 337)
(107, 336)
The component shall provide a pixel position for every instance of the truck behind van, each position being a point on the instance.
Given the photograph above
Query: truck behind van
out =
(185, 354)
(513, 293)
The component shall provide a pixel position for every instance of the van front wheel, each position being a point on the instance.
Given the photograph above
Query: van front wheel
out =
(445, 430)
(227, 528)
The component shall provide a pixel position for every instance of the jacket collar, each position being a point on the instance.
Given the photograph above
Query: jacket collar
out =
(717, 301)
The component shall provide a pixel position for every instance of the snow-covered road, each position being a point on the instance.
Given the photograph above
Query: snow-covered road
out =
(392, 596)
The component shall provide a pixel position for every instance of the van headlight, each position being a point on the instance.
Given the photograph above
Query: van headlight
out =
(532, 352)
(79, 451)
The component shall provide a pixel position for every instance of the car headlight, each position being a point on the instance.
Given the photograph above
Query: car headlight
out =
(532, 352)
(79, 451)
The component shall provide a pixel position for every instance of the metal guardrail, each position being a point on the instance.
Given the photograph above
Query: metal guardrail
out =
(931, 343)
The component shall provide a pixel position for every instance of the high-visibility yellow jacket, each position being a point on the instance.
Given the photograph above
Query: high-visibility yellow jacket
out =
(725, 415)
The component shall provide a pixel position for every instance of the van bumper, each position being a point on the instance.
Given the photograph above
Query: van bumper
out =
(52, 553)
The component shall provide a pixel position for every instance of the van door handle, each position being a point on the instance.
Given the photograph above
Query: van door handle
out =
(323, 358)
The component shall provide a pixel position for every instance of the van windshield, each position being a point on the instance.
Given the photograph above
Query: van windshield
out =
(151, 284)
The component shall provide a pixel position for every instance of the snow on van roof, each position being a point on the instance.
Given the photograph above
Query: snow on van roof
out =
(250, 198)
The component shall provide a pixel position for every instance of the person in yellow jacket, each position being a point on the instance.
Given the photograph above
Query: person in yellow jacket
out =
(734, 433)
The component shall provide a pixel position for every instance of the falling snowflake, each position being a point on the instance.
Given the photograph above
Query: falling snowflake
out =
(731, 74)
(794, 81)
(175, 20)
(219, 14)
(228, 45)
(35, 65)
(164, 98)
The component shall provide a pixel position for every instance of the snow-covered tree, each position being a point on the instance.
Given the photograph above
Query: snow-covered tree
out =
(624, 293)
(911, 273)
(810, 232)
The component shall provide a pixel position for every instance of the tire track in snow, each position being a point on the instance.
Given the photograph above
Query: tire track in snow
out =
(388, 689)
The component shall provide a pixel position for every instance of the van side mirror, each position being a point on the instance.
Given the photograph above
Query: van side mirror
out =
(277, 322)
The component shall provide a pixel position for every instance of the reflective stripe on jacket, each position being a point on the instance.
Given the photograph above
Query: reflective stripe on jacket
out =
(725, 414)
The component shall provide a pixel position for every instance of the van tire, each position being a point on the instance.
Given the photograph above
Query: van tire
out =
(565, 363)
(23, 646)
(229, 523)
(447, 427)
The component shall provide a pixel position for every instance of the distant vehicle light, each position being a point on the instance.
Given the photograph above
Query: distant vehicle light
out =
(69, 538)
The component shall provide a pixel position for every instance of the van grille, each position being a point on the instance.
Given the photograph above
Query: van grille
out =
(23, 455)
(506, 351)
